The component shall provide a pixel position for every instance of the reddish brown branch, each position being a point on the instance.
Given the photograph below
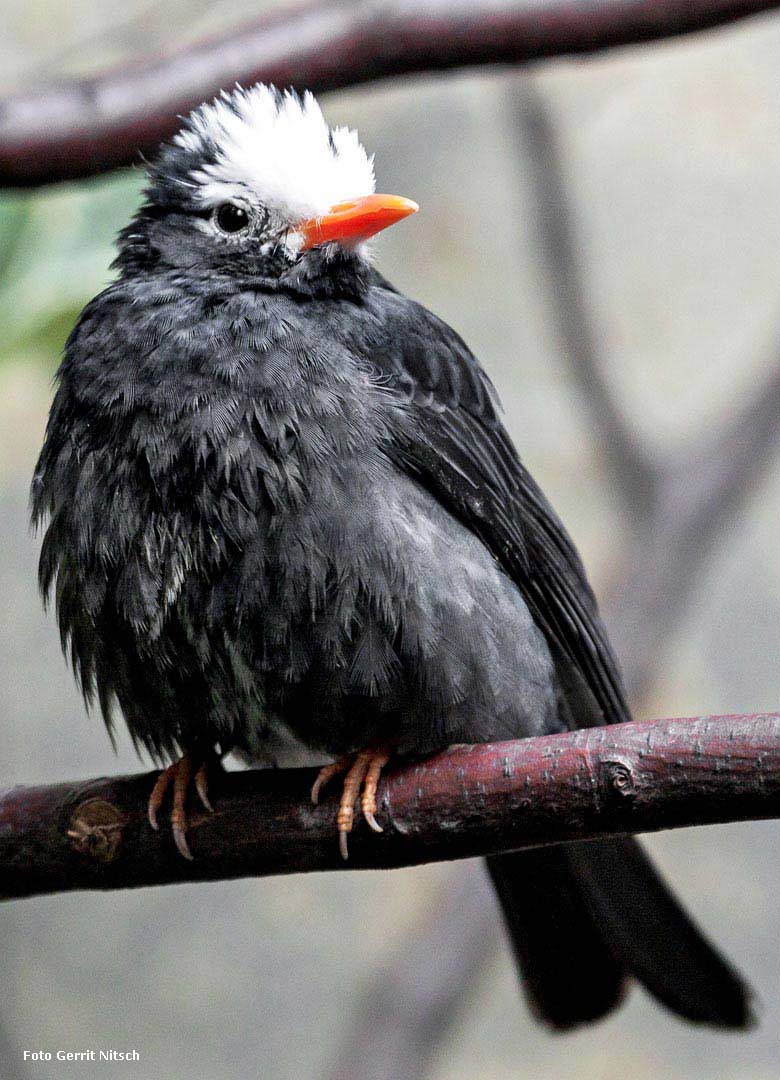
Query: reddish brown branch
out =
(631, 778)
(93, 124)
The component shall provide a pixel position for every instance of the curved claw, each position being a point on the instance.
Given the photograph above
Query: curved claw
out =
(363, 771)
(368, 802)
(161, 785)
(181, 782)
(180, 839)
(202, 787)
(179, 775)
(326, 773)
(372, 821)
(343, 848)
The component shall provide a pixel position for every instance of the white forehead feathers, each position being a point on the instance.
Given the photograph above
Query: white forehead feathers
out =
(275, 149)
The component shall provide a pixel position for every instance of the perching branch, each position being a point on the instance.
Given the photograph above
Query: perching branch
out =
(93, 124)
(474, 800)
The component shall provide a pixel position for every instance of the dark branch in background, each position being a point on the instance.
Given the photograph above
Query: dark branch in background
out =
(679, 506)
(413, 1002)
(472, 800)
(93, 124)
(634, 473)
(702, 496)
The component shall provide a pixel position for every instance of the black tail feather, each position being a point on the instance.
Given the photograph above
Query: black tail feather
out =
(569, 976)
(585, 917)
(655, 938)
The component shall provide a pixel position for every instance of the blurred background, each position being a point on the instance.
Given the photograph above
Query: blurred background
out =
(605, 235)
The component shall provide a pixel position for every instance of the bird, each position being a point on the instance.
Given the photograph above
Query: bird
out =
(280, 508)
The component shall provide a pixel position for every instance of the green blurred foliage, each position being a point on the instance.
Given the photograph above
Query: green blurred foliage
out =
(55, 251)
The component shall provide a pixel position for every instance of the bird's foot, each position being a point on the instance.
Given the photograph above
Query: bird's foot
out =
(191, 768)
(363, 770)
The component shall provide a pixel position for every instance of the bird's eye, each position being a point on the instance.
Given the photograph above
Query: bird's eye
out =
(231, 218)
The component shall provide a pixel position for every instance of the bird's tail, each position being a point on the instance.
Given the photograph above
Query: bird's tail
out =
(584, 918)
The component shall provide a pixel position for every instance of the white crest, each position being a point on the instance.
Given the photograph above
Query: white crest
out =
(276, 150)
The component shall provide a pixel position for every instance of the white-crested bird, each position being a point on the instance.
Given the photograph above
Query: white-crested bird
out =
(280, 501)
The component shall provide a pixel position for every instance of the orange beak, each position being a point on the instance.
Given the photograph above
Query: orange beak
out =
(355, 220)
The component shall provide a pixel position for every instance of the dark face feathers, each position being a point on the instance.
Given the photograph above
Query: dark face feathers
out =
(278, 497)
(173, 240)
(179, 235)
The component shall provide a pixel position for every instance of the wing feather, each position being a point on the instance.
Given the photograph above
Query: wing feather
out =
(460, 450)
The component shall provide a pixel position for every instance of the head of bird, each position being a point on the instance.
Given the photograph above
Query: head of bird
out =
(256, 184)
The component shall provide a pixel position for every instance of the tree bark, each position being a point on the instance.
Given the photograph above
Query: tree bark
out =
(89, 125)
(468, 801)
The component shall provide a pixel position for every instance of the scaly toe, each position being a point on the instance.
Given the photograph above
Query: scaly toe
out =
(362, 775)
(368, 802)
(161, 785)
(326, 773)
(179, 775)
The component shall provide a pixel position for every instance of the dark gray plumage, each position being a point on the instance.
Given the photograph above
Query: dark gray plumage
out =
(279, 496)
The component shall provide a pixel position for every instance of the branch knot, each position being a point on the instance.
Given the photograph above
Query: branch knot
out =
(96, 830)
(618, 779)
